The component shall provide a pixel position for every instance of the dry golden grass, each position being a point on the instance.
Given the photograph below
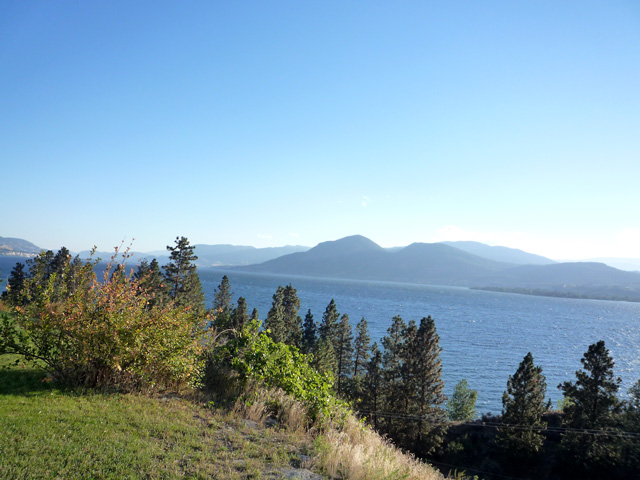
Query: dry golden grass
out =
(358, 453)
(346, 451)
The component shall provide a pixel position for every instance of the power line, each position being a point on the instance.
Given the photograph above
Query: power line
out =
(437, 422)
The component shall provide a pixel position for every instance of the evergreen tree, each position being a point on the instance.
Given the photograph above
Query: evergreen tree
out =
(14, 295)
(309, 334)
(183, 282)
(292, 321)
(425, 386)
(344, 354)
(222, 296)
(239, 317)
(40, 270)
(329, 337)
(373, 383)
(631, 423)
(593, 405)
(222, 307)
(324, 359)
(254, 314)
(152, 282)
(275, 323)
(392, 386)
(461, 407)
(361, 348)
(523, 404)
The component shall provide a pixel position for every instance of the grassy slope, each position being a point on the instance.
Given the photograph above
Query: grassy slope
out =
(47, 432)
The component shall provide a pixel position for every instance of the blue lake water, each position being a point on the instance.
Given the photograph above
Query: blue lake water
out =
(483, 335)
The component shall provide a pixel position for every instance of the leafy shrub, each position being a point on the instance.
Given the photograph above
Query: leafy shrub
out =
(105, 334)
(253, 357)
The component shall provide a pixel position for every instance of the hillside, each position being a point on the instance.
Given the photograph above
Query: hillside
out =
(501, 254)
(359, 258)
(17, 247)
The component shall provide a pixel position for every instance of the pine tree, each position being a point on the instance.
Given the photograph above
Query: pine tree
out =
(344, 354)
(152, 282)
(425, 387)
(222, 296)
(222, 308)
(309, 334)
(324, 359)
(593, 404)
(373, 384)
(461, 407)
(361, 348)
(183, 282)
(328, 337)
(292, 321)
(523, 404)
(392, 386)
(274, 323)
(239, 317)
(14, 295)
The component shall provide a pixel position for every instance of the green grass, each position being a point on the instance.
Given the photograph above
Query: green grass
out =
(48, 432)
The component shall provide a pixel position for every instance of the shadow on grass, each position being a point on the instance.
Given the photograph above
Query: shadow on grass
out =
(23, 381)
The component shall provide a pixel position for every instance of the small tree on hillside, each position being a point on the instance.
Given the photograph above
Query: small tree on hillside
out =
(274, 323)
(593, 404)
(14, 294)
(152, 283)
(461, 407)
(239, 317)
(425, 386)
(361, 348)
(182, 278)
(373, 395)
(523, 404)
(344, 354)
(309, 334)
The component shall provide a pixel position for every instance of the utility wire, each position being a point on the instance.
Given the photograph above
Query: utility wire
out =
(437, 422)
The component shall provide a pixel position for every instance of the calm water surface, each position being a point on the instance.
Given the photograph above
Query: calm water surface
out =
(483, 335)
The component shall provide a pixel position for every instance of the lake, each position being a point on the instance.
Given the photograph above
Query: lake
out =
(483, 335)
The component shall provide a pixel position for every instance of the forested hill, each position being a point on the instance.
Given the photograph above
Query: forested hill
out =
(359, 258)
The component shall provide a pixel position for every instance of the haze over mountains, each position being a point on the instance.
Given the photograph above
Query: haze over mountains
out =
(465, 264)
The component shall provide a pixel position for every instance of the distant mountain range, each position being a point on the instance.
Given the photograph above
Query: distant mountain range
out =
(467, 264)
(17, 247)
(357, 257)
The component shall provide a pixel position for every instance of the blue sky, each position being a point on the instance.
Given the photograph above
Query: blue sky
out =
(273, 123)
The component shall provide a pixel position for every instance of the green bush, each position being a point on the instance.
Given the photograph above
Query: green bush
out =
(105, 334)
(253, 357)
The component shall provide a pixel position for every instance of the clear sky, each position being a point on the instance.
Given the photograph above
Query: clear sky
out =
(260, 123)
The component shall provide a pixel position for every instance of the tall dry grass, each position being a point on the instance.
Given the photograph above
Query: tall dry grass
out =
(356, 452)
(346, 450)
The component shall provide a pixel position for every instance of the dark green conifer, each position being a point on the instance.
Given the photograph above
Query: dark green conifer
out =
(274, 323)
(152, 282)
(239, 317)
(309, 334)
(421, 352)
(592, 404)
(361, 348)
(14, 294)
(523, 404)
(183, 282)
(344, 354)
(292, 321)
(373, 393)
